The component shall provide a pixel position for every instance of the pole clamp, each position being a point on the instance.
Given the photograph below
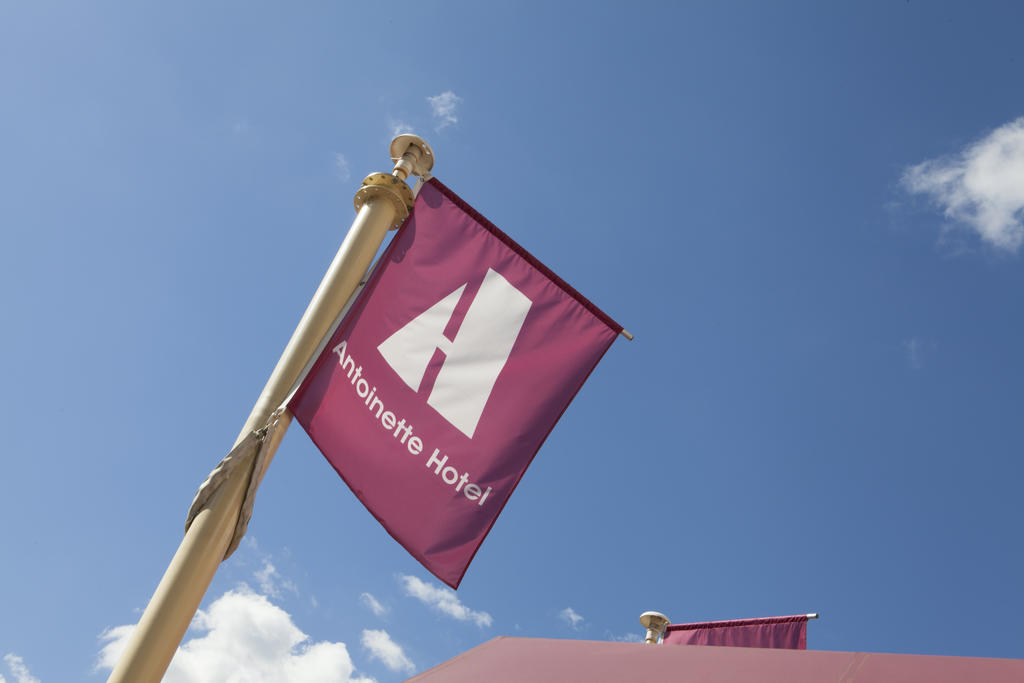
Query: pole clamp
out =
(390, 188)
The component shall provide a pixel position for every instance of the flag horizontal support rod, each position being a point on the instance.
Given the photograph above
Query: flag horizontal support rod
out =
(382, 203)
(812, 615)
(626, 334)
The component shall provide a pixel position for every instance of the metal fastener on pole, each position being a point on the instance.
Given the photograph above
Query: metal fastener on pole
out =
(382, 203)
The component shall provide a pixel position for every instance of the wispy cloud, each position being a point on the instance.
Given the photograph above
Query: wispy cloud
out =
(981, 187)
(18, 669)
(917, 351)
(271, 582)
(399, 127)
(443, 600)
(627, 637)
(341, 167)
(571, 617)
(244, 638)
(914, 353)
(373, 604)
(443, 107)
(387, 651)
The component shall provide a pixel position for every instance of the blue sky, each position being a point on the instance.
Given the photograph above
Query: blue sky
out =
(810, 217)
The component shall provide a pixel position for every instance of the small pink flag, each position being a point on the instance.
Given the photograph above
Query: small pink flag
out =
(442, 382)
(779, 632)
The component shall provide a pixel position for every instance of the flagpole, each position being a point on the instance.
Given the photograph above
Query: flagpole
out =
(382, 203)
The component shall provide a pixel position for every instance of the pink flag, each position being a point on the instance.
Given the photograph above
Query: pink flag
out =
(444, 379)
(781, 632)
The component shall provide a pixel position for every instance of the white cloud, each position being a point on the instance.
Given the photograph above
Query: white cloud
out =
(627, 638)
(982, 187)
(443, 106)
(114, 640)
(444, 600)
(18, 669)
(399, 127)
(389, 652)
(246, 638)
(569, 616)
(341, 167)
(271, 582)
(373, 604)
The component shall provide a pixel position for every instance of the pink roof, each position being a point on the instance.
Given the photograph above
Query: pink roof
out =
(541, 659)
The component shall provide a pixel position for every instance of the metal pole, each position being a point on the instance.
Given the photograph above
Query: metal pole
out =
(382, 203)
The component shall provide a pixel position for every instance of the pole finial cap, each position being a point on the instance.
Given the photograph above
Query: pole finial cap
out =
(655, 623)
(421, 160)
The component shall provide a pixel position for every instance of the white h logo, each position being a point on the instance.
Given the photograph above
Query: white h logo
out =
(473, 360)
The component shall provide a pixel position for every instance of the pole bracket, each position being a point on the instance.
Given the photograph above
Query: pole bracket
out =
(390, 188)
